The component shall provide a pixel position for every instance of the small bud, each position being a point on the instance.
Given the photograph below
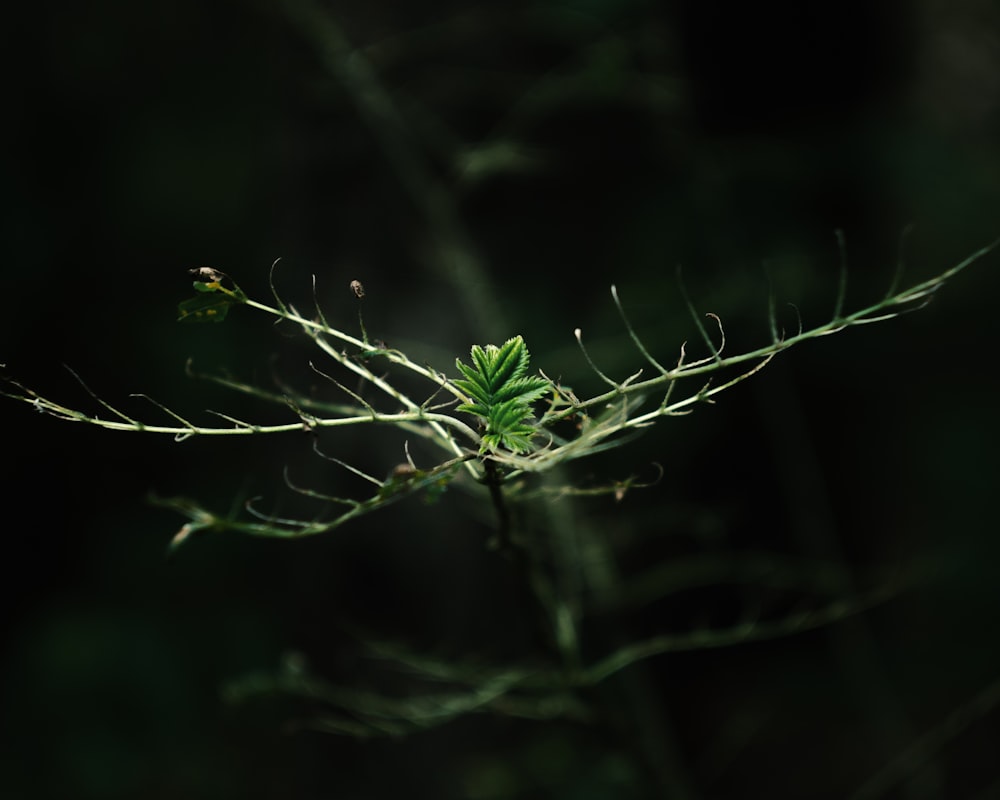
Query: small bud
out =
(401, 471)
(358, 289)
(207, 274)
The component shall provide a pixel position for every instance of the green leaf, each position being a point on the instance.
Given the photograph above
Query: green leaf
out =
(211, 304)
(501, 394)
(511, 361)
(527, 390)
(204, 309)
(476, 386)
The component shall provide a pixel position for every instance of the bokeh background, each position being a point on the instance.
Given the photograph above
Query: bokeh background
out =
(517, 160)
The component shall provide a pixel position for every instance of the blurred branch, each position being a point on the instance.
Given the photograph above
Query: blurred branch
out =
(456, 255)
(911, 761)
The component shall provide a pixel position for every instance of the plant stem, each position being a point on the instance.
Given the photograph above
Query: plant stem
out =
(493, 478)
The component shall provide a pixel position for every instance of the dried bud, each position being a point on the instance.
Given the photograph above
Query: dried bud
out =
(358, 289)
(401, 471)
(207, 274)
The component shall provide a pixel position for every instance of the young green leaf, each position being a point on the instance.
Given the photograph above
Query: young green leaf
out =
(501, 394)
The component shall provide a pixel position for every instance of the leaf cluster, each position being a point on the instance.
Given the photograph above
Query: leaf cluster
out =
(501, 393)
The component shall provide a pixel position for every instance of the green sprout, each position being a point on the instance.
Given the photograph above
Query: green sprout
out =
(502, 394)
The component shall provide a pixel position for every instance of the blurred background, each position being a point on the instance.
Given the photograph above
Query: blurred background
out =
(487, 171)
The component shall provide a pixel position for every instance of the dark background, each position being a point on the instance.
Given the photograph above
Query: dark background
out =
(567, 146)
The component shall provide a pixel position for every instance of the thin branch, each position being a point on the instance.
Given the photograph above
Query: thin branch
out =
(99, 399)
(346, 466)
(918, 754)
(234, 420)
(618, 386)
(696, 317)
(190, 428)
(343, 388)
(876, 312)
(315, 495)
(319, 311)
(897, 276)
(632, 334)
(752, 631)
(274, 291)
